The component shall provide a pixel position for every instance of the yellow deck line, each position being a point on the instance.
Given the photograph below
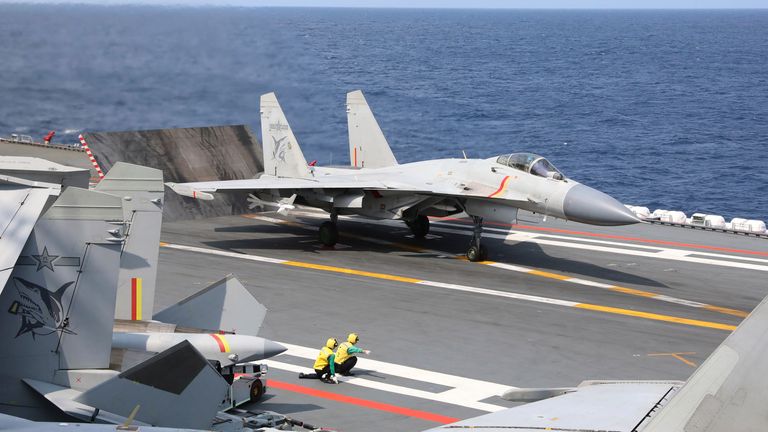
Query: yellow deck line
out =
(656, 317)
(405, 279)
(351, 272)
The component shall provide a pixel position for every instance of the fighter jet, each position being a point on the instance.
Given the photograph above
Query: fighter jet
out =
(376, 186)
(727, 393)
(64, 254)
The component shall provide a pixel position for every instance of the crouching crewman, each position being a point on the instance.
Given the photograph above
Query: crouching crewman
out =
(346, 355)
(325, 367)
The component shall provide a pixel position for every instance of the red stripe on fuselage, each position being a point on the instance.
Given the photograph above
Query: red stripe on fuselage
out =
(501, 187)
(222, 348)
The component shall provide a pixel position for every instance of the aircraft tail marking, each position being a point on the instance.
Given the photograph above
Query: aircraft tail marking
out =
(136, 299)
(142, 191)
(282, 154)
(368, 148)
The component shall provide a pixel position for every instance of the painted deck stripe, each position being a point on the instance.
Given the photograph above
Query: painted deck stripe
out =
(464, 398)
(668, 254)
(379, 406)
(518, 296)
(614, 237)
(528, 270)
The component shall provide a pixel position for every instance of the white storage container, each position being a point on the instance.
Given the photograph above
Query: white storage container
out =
(751, 225)
(714, 221)
(674, 216)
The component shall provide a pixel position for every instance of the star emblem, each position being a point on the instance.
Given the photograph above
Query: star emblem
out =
(45, 260)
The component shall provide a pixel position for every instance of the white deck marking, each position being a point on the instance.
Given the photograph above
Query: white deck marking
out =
(528, 270)
(463, 391)
(672, 254)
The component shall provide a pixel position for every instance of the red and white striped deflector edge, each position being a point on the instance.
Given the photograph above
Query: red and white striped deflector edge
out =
(91, 157)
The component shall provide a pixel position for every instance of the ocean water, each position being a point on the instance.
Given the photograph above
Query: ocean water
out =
(667, 109)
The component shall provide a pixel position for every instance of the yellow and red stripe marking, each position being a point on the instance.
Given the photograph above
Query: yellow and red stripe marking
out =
(136, 299)
(379, 406)
(501, 188)
(222, 342)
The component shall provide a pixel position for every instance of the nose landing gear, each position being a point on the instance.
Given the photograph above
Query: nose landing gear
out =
(477, 252)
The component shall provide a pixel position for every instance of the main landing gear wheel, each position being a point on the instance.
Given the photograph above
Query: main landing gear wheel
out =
(419, 226)
(476, 254)
(329, 234)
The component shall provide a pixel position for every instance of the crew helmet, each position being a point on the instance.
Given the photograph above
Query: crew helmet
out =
(353, 338)
(331, 343)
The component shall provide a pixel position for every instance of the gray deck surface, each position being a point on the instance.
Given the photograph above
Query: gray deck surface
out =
(509, 341)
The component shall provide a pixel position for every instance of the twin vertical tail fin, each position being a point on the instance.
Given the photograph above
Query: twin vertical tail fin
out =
(282, 154)
(141, 189)
(60, 296)
(368, 148)
(728, 391)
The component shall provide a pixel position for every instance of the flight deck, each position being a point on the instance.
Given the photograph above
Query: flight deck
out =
(559, 303)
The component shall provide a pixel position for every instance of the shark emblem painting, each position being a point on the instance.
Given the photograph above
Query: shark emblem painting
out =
(42, 312)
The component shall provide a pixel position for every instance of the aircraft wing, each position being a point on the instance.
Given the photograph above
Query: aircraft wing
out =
(598, 406)
(204, 190)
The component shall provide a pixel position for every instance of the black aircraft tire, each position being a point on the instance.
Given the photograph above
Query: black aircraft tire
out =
(419, 226)
(329, 234)
(475, 254)
(257, 391)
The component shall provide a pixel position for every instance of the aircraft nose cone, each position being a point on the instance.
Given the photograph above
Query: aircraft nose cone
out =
(272, 349)
(586, 205)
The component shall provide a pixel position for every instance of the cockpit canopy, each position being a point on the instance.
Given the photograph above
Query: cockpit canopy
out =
(531, 163)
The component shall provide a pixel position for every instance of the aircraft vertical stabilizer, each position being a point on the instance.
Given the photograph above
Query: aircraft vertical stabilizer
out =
(368, 148)
(728, 391)
(58, 304)
(282, 155)
(141, 189)
(223, 305)
(176, 388)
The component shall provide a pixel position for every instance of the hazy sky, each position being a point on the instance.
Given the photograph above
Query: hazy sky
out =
(585, 4)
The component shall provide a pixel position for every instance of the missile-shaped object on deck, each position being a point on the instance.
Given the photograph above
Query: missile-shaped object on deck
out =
(228, 349)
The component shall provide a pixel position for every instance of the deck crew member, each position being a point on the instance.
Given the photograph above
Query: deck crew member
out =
(325, 367)
(346, 357)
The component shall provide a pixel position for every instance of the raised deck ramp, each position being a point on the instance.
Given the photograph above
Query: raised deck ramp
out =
(187, 155)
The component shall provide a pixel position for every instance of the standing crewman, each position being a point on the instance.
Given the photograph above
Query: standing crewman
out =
(47, 138)
(345, 355)
(325, 367)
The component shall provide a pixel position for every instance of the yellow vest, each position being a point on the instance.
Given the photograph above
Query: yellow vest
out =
(322, 358)
(342, 353)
